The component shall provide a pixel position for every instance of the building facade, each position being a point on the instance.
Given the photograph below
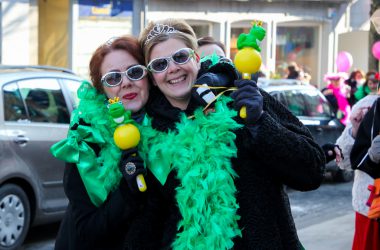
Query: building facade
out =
(66, 32)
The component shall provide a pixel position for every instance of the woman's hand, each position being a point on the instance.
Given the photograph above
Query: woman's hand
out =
(131, 165)
(332, 152)
(248, 95)
(356, 118)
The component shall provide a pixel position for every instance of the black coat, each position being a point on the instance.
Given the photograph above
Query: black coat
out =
(359, 157)
(277, 151)
(124, 221)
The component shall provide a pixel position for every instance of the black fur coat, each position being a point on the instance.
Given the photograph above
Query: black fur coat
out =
(276, 151)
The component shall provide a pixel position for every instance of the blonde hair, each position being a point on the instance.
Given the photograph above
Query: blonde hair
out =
(184, 33)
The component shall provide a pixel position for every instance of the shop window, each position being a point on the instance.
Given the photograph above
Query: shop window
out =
(297, 45)
(201, 30)
(235, 32)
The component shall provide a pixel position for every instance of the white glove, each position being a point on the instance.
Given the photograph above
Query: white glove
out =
(374, 150)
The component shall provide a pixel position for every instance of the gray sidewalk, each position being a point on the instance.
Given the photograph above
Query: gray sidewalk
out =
(335, 234)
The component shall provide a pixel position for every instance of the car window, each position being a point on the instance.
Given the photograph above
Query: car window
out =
(296, 102)
(14, 108)
(72, 86)
(279, 97)
(44, 100)
(315, 104)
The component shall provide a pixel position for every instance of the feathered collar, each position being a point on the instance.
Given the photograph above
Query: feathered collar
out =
(200, 150)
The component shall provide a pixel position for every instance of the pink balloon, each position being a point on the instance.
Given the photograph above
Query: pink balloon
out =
(376, 50)
(344, 61)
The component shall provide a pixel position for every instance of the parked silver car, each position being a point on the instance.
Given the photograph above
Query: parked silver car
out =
(36, 103)
(313, 110)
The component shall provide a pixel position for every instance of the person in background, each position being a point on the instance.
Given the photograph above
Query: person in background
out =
(365, 159)
(207, 45)
(335, 93)
(293, 71)
(355, 80)
(369, 87)
(363, 235)
(221, 192)
(106, 210)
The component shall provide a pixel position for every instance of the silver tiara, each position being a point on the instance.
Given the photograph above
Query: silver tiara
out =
(111, 40)
(159, 29)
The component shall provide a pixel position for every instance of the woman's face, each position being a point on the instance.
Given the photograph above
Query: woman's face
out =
(133, 94)
(359, 77)
(335, 82)
(372, 85)
(177, 80)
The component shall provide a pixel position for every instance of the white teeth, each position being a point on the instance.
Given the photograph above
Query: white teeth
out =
(177, 80)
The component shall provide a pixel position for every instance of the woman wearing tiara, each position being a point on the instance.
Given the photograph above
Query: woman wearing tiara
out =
(221, 177)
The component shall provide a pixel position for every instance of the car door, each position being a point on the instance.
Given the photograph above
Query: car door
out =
(313, 110)
(34, 129)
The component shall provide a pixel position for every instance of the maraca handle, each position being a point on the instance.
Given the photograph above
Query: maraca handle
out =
(243, 110)
(141, 183)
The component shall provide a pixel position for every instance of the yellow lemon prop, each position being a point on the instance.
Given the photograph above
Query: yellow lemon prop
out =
(247, 61)
(129, 131)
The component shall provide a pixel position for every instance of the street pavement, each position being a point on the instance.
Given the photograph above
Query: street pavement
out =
(334, 234)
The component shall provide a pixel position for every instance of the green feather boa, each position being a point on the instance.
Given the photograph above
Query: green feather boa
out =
(201, 152)
(100, 174)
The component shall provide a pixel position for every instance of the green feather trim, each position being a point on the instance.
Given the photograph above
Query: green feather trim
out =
(100, 174)
(201, 152)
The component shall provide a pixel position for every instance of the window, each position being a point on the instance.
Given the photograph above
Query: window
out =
(304, 103)
(72, 86)
(44, 100)
(14, 108)
(201, 29)
(297, 44)
(316, 105)
(296, 102)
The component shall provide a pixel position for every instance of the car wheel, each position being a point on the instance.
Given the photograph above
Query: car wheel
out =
(343, 175)
(14, 216)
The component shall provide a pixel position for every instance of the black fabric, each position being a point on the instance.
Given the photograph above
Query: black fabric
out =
(123, 221)
(224, 70)
(159, 107)
(282, 152)
(353, 88)
(331, 99)
(329, 147)
(248, 95)
(131, 156)
(359, 157)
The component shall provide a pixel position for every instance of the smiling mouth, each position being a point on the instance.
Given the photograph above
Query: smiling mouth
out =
(179, 79)
(130, 96)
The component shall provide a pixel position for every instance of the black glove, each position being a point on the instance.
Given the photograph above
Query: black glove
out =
(248, 95)
(204, 95)
(329, 151)
(131, 165)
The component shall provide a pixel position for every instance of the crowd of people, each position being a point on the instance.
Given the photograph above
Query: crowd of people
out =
(214, 179)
